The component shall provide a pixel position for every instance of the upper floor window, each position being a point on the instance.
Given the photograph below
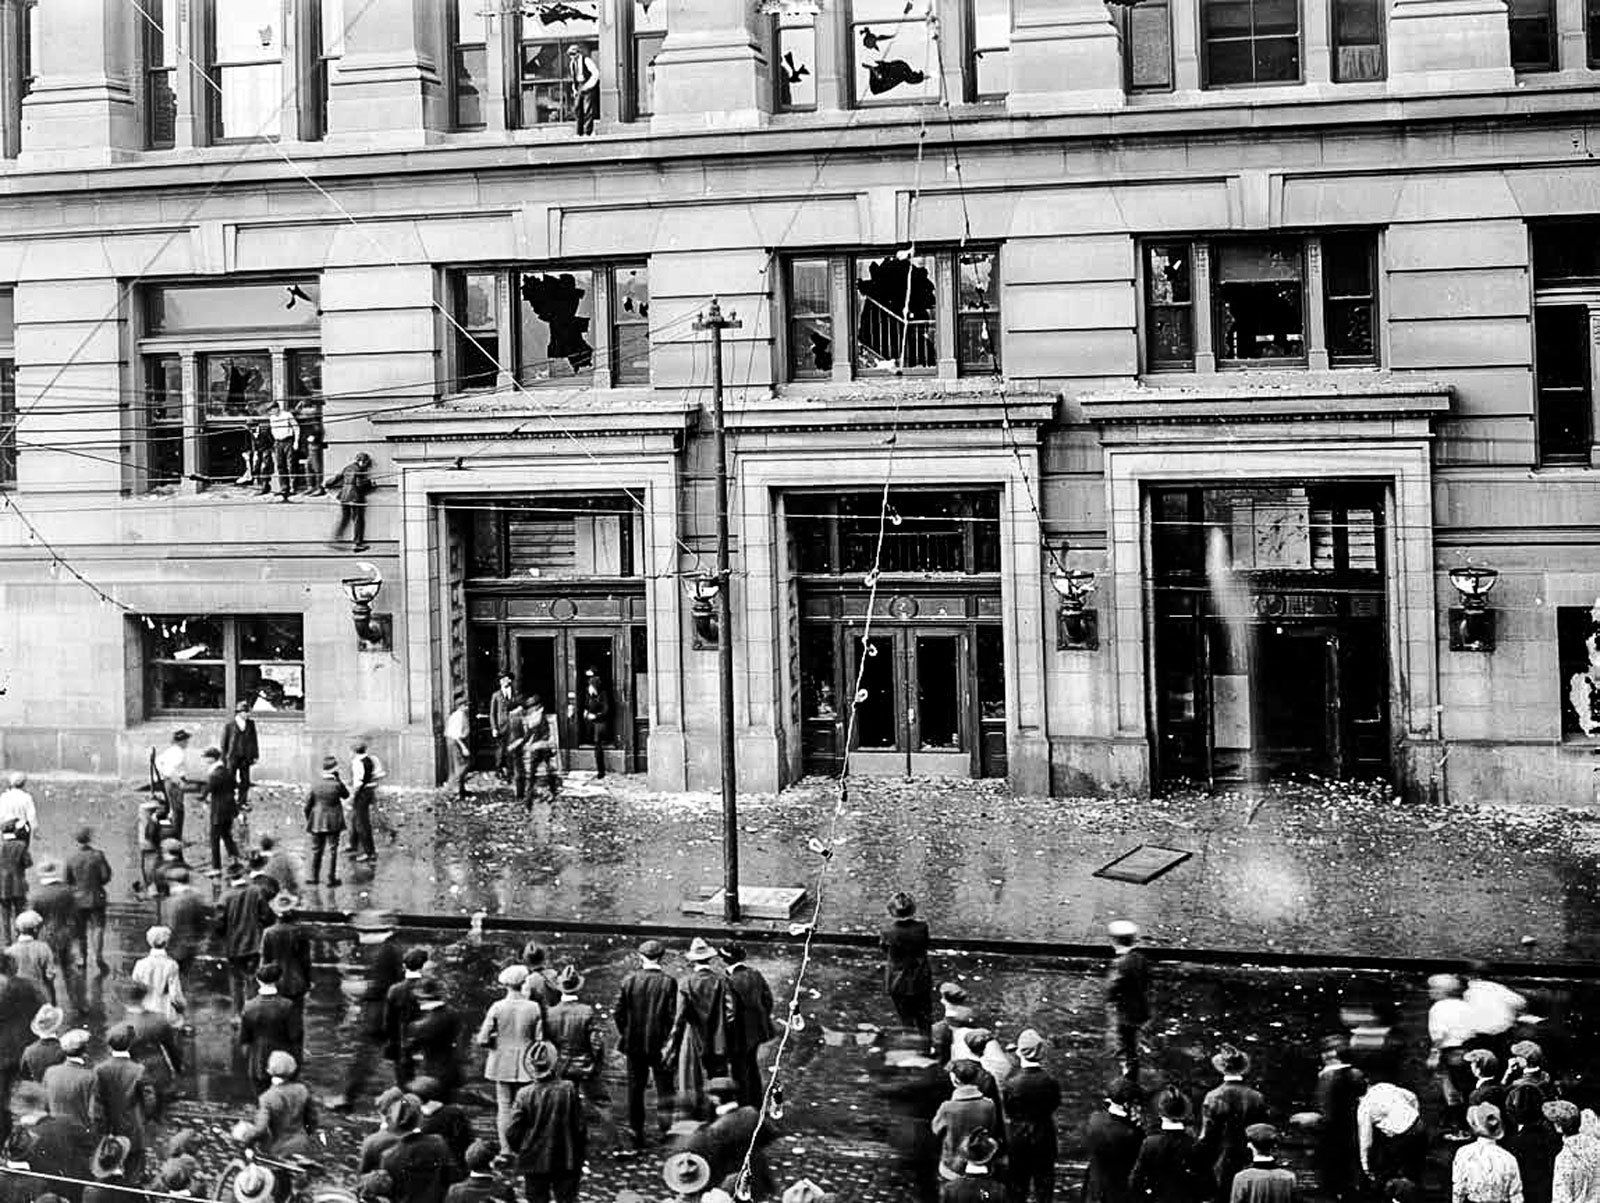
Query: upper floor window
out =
(989, 57)
(159, 27)
(1357, 41)
(894, 53)
(215, 360)
(1533, 34)
(573, 324)
(19, 45)
(1250, 42)
(1249, 306)
(937, 312)
(646, 31)
(1566, 283)
(549, 38)
(255, 88)
(469, 63)
(8, 390)
(794, 59)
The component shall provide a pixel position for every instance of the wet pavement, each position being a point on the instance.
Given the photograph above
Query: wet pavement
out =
(1317, 867)
(836, 1122)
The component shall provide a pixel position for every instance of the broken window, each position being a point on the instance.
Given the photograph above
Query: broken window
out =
(1260, 300)
(1251, 41)
(8, 391)
(630, 325)
(557, 310)
(478, 331)
(977, 314)
(1147, 45)
(1566, 253)
(548, 31)
(1533, 35)
(892, 46)
(990, 23)
(1357, 41)
(649, 31)
(795, 61)
(1169, 306)
(1578, 650)
(246, 69)
(235, 403)
(160, 73)
(195, 663)
(896, 304)
(1562, 350)
(164, 420)
(1350, 291)
(810, 318)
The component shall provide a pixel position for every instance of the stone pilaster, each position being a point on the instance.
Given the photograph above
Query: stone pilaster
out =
(1065, 55)
(1448, 45)
(389, 87)
(711, 72)
(81, 105)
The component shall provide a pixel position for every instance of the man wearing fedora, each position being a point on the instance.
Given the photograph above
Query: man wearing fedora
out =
(750, 1022)
(597, 714)
(1112, 1138)
(1127, 997)
(109, 1169)
(1482, 1171)
(573, 1026)
(646, 1006)
(325, 819)
(977, 1183)
(418, 1163)
(286, 1115)
(964, 1112)
(221, 809)
(45, 1050)
(1337, 1155)
(244, 914)
(1228, 1109)
(907, 976)
(547, 1135)
(698, 1045)
(123, 1097)
(1030, 1098)
(502, 703)
(241, 748)
(1166, 1170)
(431, 1038)
(287, 945)
(400, 1010)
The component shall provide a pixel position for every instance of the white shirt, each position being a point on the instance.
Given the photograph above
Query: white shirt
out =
(18, 804)
(457, 726)
(358, 776)
(1494, 1007)
(1450, 1023)
(1389, 1109)
(283, 425)
(172, 762)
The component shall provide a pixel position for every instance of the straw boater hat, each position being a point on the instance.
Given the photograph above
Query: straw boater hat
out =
(699, 950)
(46, 1021)
(686, 1173)
(110, 1156)
(254, 1184)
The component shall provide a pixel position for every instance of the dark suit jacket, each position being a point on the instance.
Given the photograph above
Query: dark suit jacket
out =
(269, 1023)
(907, 973)
(325, 805)
(420, 1167)
(399, 1009)
(431, 1042)
(500, 708)
(574, 1028)
(243, 917)
(480, 1190)
(1128, 988)
(123, 1097)
(969, 1188)
(1224, 1115)
(724, 1142)
(87, 873)
(645, 1009)
(703, 1004)
(240, 747)
(70, 1088)
(40, 1056)
(58, 907)
(189, 917)
(60, 1146)
(751, 1025)
(1113, 1143)
(547, 1133)
(289, 946)
(1030, 1098)
(1168, 1169)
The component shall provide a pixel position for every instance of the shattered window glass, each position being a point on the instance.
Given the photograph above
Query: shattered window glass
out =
(556, 325)
(1169, 306)
(247, 68)
(649, 31)
(795, 63)
(470, 55)
(238, 385)
(991, 48)
(810, 318)
(978, 319)
(630, 325)
(896, 305)
(548, 32)
(1260, 300)
(892, 46)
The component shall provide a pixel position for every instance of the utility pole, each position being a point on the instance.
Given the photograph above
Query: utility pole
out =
(715, 322)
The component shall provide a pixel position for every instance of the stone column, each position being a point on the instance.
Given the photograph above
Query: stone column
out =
(1065, 55)
(711, 72)
(81, 108)
(389, 87)
(1448, 45)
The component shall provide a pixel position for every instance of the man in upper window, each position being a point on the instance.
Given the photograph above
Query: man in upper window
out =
(285, 446)
(584, 73)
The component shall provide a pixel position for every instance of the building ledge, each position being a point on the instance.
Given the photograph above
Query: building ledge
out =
(1269, 397)
(544, 414)
(881, 403)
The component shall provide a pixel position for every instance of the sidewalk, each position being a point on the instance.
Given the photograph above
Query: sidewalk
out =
(1312, 868)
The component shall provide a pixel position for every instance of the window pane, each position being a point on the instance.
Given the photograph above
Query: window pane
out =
(1277, 60)
(1591, 26)
(1167, 273)
(978, 286)
(1260, 300)
(164, 420)
(478, 308)
(187, 639)
(1351, 337)
(1254, 261)
(161, 63)
(895, 59)
(557, 312)
(331, 22)
(237, 386)
(1227, 18)
(796, 68)
(1561, 334)
(188, 686)
(478, 345)
(568, 19)
(212, 309)
(1566, 252)
(249, 101)
(1532, 29)
(1578, 644)
(270, 687)
(279, 638)
(1276, 17)
(1149, 46)
(808, 286)
(811, 346)
(977, 345)
(246, 31)
(991, 46)
(8, 423)
(645, 48)
(8, 319)
(1229, 63)
(470, 22)
(1171, 341)
(896, 303)
(472, 68)
(978, 298)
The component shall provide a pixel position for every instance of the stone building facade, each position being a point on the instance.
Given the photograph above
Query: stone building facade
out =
(1261, 315)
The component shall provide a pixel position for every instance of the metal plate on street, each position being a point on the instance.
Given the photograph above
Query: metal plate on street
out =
(1144, 864)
